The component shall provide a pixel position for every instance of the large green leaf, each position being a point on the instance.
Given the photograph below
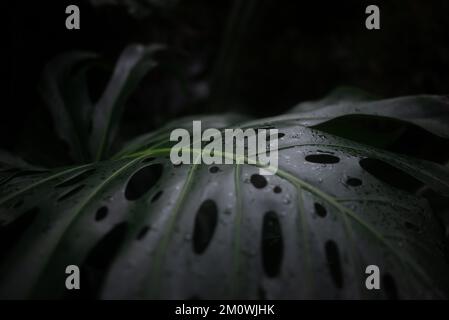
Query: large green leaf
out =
(141, 227)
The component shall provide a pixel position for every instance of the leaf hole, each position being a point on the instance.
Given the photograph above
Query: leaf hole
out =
(334, 264)
(354, 182)
(258, 181)
(272, 244)
(101, 213)
(322, 158)
(205, 224)
(320, 210)
(214, 169)
(390, 175)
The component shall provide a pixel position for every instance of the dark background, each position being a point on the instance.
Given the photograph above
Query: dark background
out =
(255, 57)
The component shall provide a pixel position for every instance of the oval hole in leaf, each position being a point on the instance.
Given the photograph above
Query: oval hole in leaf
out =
(213, 169)
(354, 182)
(320, 210)
(101, 213)
(142, 181)
(272, 244)
(258, 181)
(334, 264)
(322, 158)
(390, 175)
(205, 224)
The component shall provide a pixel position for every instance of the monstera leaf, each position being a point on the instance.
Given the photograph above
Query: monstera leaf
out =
(140, 227)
